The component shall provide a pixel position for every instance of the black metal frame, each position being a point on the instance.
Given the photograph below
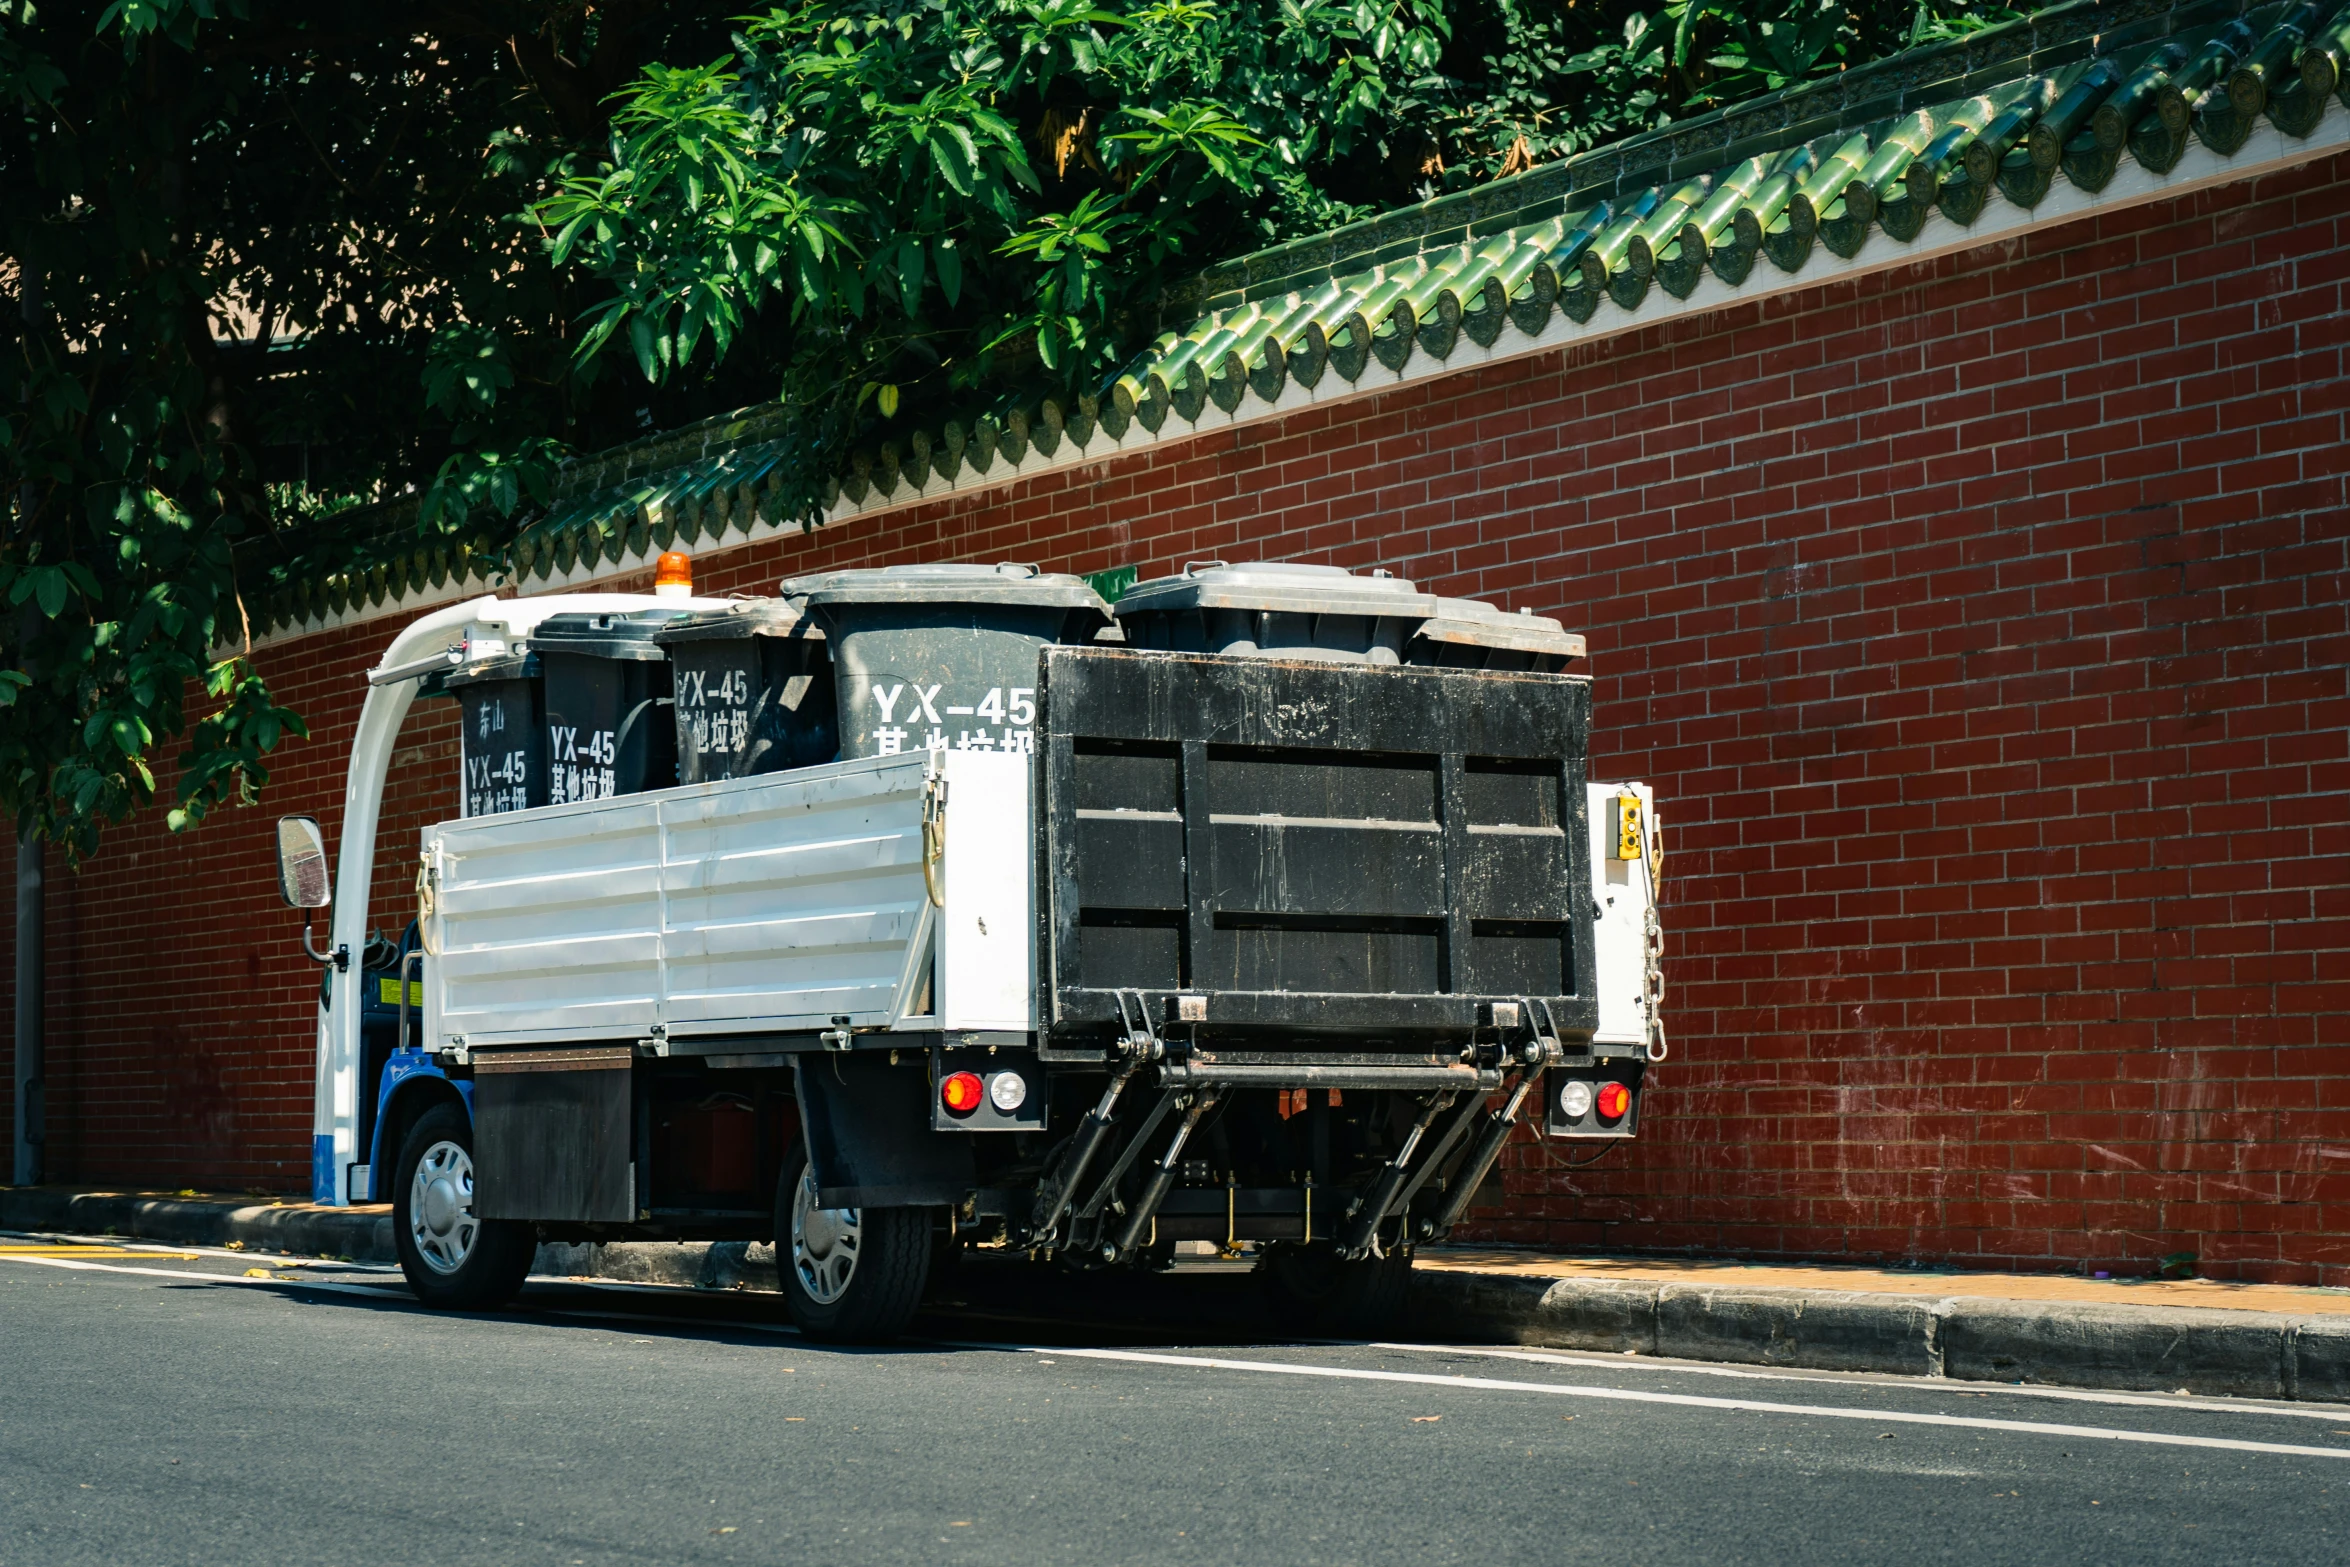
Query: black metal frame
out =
(1492, 879)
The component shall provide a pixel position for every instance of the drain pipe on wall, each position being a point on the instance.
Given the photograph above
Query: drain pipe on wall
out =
(31, 1119)
(31, 975)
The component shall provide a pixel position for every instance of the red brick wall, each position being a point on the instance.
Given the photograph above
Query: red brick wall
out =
(1981, 624)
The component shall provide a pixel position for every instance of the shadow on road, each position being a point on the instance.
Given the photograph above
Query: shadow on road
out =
(989, 1300)
(1200, 1303)
(1214, 1303)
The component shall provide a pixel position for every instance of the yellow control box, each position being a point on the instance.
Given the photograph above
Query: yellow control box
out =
(1629, 830)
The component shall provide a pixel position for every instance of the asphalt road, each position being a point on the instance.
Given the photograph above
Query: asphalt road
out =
(161, 1407)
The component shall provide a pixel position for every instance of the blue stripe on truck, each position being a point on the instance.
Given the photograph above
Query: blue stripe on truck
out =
(322, 1169)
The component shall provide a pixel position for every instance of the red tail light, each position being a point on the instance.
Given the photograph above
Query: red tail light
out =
(961, 1092)
(1614, 1100)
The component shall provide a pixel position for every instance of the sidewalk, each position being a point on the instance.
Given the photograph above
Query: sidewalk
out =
(2194, 1336)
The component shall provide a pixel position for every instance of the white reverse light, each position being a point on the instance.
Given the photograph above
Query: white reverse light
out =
(1008, 1091)
(1575, 1100)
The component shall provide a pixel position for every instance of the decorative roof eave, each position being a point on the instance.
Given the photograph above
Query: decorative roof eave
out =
(2267, 150)
(614, 512)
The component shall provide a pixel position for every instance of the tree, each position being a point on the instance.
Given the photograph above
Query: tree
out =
(912, 204)
(267, 263)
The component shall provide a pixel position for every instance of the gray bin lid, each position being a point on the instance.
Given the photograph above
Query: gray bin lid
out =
(740, 619)
(627, 637)
(1281, 589)
(1475, 623)
(1007, 586)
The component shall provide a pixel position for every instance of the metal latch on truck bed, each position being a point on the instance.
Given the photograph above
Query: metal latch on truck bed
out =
(934, 838)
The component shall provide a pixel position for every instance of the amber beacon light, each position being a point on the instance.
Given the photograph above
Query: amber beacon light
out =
(673, 575)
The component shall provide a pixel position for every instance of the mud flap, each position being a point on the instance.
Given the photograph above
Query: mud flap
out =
(868, 1128)
(551, 1134)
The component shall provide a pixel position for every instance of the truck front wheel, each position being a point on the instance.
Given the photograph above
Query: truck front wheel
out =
(454, 1259)
(1311, 1289)
(850, 1275)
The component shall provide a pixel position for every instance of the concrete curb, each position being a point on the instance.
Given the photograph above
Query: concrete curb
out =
(292, 1228)
(2239, 1354)
(2242, 1354)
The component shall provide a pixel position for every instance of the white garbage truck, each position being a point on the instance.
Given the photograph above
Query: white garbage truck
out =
(925, 908)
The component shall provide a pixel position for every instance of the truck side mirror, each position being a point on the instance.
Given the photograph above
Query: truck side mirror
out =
(302, 878)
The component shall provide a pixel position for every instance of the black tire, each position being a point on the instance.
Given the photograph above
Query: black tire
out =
(1311, 1290)
(447, 1269)
(865, 1294)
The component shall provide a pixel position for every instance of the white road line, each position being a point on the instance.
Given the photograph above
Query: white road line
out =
(1688, 1400)
(2207, 1404)
(130, 1243)
(184, 1276)
(402, 1293)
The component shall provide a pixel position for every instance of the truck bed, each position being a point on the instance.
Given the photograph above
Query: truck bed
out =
(1279, 853)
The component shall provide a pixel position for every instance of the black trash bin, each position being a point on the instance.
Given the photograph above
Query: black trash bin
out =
(943, 657)
(606, 705)
(1472, 634)
(1278, 611)
(753, 688)
(503, 752)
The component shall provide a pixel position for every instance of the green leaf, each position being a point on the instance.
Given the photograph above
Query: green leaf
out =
(910, 274)
(643, 339)
(951, 167)
(947, 261)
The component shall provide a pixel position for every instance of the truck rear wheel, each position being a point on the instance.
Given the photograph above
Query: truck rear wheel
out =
(454, 1260)
(1311, 1289)
(850, 1275)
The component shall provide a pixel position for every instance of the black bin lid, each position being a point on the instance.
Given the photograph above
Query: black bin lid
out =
(738, 620)
(513, 666)
(627, 637)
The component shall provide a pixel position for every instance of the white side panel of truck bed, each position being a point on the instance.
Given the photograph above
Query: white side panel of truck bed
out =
(1622, 893)
(987, 931)
(783, 902)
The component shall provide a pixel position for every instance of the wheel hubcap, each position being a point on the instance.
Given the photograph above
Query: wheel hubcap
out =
(823, 1243)
(440, 1208)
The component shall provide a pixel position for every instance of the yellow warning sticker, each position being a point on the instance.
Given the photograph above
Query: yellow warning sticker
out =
(387, 989)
